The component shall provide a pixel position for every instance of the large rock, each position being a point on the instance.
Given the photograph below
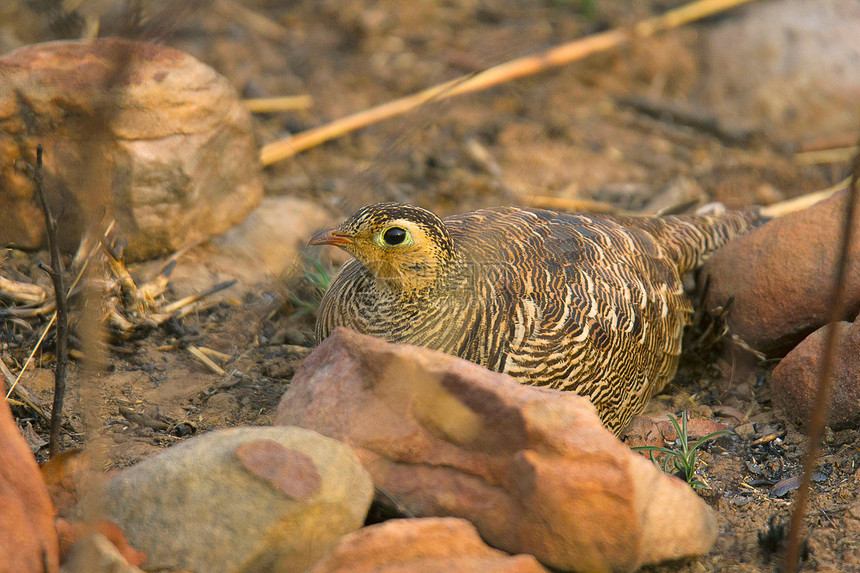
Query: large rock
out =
(781, 276)
(429, 545)
(243, 499)
(796, 378)
(791, 63)
(96, 554)
(135, 132)
(28, 540)
(533, 469)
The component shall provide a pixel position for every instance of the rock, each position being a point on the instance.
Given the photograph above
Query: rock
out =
(745, 430)
(795, 379)
(95, 553)
(781, 276)
(145, 133)
(659, 431)
(428, 545)
(72, 533)
(65, 476)
(242, 499)
(28, 540)
(792, 63)
(274, 234)
(533, 469)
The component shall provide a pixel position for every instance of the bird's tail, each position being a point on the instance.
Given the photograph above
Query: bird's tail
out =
(690, 239)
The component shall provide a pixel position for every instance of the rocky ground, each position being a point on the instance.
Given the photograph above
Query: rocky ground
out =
(681, 119)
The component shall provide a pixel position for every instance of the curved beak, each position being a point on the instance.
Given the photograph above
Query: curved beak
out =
(331, 237)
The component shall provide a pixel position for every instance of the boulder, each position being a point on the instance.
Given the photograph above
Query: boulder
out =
(796, 378)
(791, 63)
(533, 469)
(96, 554)
(28, 540)
(73, 533)
(135, 132)
(781, 276)
(428, 545)
(242, 499)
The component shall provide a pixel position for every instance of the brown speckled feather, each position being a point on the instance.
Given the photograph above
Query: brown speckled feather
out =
(588, 303)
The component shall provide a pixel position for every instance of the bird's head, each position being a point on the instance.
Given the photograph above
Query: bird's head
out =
(403, 246)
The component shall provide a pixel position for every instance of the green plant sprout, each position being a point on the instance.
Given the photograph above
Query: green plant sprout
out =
(315, 280)
(683, 459)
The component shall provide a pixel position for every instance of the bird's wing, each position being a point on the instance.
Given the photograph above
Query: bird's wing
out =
(595, 307)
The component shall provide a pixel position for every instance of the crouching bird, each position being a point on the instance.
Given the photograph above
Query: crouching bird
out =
(593, 304)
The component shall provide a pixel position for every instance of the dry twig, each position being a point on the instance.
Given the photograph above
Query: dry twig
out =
(201, 356)
(55, 271)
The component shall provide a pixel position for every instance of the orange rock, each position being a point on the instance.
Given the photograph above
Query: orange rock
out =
(135, 132)
(70, 532)
(28, 540)
(796, 378)
(781, 276)
(428, 545)
(533, 469)
(649, 430)
(65, 475)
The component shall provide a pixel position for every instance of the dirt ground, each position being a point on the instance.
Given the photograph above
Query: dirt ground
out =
(568, 133)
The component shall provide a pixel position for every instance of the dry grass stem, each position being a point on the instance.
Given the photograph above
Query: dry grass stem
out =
(199, 355)
(820, 156)
(276, 104)
(804, 201)
(22, 393)
(215, 355)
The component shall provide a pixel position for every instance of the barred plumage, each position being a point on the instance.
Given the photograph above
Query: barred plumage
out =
(589, 303)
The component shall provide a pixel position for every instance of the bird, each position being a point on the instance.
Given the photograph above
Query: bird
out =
(590, 303)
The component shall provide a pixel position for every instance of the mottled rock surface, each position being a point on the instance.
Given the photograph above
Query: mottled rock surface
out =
(243, 499)
(428, 545)
(135, 132)
(28, 540)
(71, 533)
(792, 63)
(796, 378)
(533, 469)
(274, 234)
(781, 276)
(96, 554)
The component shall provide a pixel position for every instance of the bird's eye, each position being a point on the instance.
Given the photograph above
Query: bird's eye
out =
(394, 236)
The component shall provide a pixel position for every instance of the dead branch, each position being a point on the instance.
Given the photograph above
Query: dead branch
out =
(55, 271)
(508, 71)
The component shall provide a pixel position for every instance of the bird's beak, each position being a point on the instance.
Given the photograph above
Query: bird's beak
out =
(331, 237)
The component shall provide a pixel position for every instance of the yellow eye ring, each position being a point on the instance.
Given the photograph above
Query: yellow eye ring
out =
(395, 236)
